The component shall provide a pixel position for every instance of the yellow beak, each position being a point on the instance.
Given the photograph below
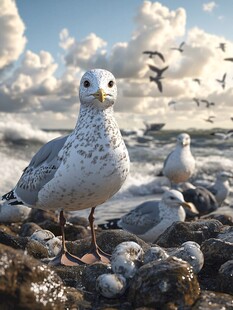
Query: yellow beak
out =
(100, 95)
(190, 206)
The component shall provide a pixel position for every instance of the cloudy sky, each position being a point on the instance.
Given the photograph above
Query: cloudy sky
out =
(47, 45)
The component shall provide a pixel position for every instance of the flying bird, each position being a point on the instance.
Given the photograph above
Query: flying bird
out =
(223, 135)
(208, 103)
(209, 119)
(229, 59)
(197, 101)
(198, 81)
(81, 170)
(222, 46)
(172, 102)
(180, 48)
(157, 79)
(223, 80)
(155, 53)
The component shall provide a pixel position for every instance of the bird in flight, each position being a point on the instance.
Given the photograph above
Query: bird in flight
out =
(197, 101)
(210, 119)
(222, 81)
(222, 46)
(157, 79)
(229, 59)
(223, 135)
(172, 102)
(180, 48)
(208, 103)
(153, 53)
(198, 81)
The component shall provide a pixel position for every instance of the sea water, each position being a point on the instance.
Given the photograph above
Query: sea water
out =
(147, 154)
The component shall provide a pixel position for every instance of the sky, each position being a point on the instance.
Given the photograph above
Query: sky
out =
(46, 46)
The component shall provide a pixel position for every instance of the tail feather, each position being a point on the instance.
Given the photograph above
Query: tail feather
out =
(11, 198)
(111, 224)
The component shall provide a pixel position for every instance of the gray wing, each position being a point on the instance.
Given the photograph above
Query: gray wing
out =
(166, 160)
(40, 171)
(142, 218)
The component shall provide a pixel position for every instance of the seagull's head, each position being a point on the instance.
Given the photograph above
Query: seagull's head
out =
(183, 139)
(224, 175)
(174, 198)
(98, 88)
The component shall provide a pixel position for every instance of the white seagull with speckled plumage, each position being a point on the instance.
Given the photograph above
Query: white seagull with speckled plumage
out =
(81, 170)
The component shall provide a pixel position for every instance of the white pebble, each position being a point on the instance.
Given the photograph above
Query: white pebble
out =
(42, 235)
(155, 253)
(111, 285)
(126, 258)
(54, 246)
(191, 253)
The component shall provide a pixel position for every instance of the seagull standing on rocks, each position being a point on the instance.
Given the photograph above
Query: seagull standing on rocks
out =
(81, 170)
(180, 163)
(151, 218)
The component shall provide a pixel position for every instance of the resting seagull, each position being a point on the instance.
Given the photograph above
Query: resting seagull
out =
(180, 164)
(81, 170)
(151, 218)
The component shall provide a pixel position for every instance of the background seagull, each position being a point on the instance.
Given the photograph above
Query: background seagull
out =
(180, 49)
(223, 135)
(151, 54)
(222, 81)
(208, 103)
(198, 81)
(229, 59)
(222, 46)
(210, 119)
(151, 218)
(197, 101)
(157, 79)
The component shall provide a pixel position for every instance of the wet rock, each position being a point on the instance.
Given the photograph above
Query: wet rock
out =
(42, 235)
(78, 220)
(190, 252)
(39, 216)
(28, 229)
(155, 253)
(180, 232)
(209, 300)
(36, 249)
(217, 252)
(223, 218)
(226, 234)
(91, 273)
(70, 275)
(226, 277)
(127, 258)
(54, 246)
(13, 214)
(111, 285)
(164, 283)
(13, 241)
(27, 284)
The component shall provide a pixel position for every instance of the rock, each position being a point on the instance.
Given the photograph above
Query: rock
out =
(209, 300)
(39, 216)
(217, 252)
(42, 235)
(190, 252)
(36, 249)
(111, 285)
(127, 258)
(155, 253)
(13, 214)
(78, 220)
(226, 278)
(223, 218)
(13, 241)
(180, 232)
(226, 234)
(27, 229)
(164, 283)
(25, 283)
(71, 275)
(54, 246)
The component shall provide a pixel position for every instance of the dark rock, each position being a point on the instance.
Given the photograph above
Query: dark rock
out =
(78, 220)
(27, 284)
(216, 252)
(209, 300)
(70, 275)
(223, 218)
(226, 234)
(180, 232)
(38, 216)
(226, 277)
(28, 229)
(91, 273)
(13, 241)
(162, 284)
(36, 249)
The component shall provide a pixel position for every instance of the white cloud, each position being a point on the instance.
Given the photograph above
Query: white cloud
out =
(12, 39)
(208, 7)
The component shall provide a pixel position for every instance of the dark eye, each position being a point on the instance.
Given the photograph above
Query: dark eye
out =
(86, 84)
(110, 84)
(172, 198)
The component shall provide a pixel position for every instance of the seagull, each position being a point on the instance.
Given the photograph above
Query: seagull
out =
(221, 187)
(229, 59)
(172, 102)
(197, 101)
(81, 170)
(223, 135)
(198, 81)
(210, 119)
(151, 54)
(151, 218)
(208, 103)
(157, 79)
(222, 46)
(222, 81)
(180, 49)
(179, 165)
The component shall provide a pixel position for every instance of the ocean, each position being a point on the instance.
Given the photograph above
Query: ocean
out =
(147, 154)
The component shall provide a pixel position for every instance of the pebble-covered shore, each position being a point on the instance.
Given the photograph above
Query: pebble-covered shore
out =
(190, 266)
